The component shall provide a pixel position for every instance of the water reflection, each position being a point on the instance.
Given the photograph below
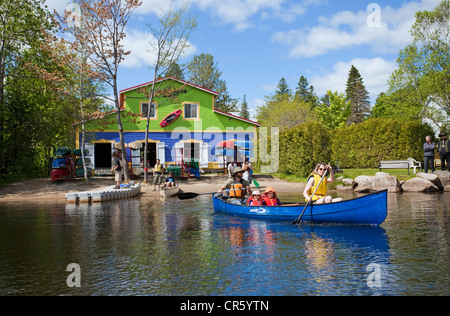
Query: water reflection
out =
(140, 247)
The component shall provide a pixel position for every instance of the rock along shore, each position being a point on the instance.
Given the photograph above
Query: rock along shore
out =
(423, 182)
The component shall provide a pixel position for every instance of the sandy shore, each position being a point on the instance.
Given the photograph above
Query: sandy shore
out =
(43, 189)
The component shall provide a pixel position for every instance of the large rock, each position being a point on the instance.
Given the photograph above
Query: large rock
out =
(444, 176)
(419, 185)
(447, 188)
(381, 181)
(347, 182)
(433, 178)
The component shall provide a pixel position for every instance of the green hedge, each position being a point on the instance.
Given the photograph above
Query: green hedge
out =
(302, 147)
(362, 145)
(365, 145)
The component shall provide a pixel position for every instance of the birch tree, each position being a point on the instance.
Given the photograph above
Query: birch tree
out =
(102, 35)
(169, 45)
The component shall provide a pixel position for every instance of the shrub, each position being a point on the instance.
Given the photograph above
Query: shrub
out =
(364, 145)
(302, 147)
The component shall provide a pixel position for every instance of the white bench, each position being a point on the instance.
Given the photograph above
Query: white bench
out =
(400, 164)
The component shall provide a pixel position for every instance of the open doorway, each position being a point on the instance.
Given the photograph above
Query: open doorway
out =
(192, 151)
(151, 154)
(103, 155)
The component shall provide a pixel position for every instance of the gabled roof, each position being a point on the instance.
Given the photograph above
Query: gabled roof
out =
(194, 86)
(237, 117)
(172, 78)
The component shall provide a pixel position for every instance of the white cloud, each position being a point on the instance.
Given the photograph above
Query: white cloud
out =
(236, 12)
(158, 6)
(138, 43)
(375, 73)
(270, 87)
(57, 5)
(349, 29)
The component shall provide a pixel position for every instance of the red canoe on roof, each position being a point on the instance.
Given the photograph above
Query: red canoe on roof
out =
(170, 118)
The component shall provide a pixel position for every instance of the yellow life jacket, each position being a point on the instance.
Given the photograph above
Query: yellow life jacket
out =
(158, 168)
(321, 191)
(240, 193)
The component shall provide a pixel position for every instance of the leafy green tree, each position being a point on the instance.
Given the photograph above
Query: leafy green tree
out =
(398, 105)
(424, 65)
(334, 110)
(21, 25)
(284, 112)
(28, 93)
(101, 36)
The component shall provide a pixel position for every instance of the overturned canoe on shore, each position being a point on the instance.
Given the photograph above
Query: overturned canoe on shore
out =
(366, 210)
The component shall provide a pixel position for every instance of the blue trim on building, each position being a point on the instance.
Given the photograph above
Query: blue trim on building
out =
(171, 138)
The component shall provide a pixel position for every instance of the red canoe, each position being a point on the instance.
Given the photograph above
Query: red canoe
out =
(170, 118)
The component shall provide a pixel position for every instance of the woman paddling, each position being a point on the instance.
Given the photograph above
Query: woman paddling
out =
(320, 197)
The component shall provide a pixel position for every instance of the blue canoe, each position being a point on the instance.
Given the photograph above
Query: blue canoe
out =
(366, 210)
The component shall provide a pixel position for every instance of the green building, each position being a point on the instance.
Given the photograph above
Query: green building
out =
(197, 133)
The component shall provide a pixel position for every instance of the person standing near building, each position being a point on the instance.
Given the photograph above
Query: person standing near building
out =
(444, 151)
(157, 172)
(117, 168)
(428, 155)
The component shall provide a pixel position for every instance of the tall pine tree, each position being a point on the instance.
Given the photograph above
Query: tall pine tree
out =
(305, 93)
(358, 97)
(244, 109)
(282, 88)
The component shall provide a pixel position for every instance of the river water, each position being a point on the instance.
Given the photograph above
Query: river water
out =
(142, 247)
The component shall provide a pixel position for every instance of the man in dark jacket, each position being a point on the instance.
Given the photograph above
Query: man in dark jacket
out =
(444, 151)
(428, 155)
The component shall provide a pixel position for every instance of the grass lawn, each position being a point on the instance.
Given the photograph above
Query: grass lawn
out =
(401, 174)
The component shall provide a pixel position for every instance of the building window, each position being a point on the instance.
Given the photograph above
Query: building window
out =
(144, 110)
(191, 111)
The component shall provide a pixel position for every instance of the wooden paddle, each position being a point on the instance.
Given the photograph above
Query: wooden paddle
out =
(309, 203)
(191, 195)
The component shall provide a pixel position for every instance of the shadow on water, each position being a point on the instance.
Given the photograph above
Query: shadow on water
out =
(141, 247)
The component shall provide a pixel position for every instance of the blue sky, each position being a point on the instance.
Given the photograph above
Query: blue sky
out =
(257, 42)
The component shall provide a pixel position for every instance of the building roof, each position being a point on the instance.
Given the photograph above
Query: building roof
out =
(172, 78)
(237, 117)
(194, 86)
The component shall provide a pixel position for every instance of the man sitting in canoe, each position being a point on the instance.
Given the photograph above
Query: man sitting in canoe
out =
(238, 187)
(314, 182)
